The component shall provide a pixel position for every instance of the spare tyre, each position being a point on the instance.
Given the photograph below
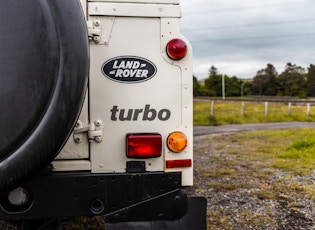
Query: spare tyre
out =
(43, 79)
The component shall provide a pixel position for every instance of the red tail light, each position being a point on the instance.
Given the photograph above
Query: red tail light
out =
(144, 145)
(176, 49)
(178, 163)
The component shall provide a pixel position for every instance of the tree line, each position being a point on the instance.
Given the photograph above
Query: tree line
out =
(293, 81)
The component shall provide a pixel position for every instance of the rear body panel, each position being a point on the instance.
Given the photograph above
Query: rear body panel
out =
(155, 97)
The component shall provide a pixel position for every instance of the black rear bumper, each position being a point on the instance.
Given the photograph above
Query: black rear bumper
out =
(195, 218)
(120, 197)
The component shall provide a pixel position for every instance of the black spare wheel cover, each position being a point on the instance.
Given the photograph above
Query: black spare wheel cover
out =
(43, 79)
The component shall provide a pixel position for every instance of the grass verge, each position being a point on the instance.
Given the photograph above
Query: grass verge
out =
(275, 168)
(229, 112)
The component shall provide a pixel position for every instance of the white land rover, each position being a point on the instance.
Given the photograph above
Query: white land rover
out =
(96, 115)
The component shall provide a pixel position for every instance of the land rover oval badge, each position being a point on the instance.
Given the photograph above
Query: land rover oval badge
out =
(129, 69)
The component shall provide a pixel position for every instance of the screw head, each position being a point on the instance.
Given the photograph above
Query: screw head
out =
(96, 38)
(98, 139)
(77, 139)
(98, 123)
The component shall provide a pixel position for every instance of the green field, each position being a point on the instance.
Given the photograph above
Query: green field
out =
(234, 112)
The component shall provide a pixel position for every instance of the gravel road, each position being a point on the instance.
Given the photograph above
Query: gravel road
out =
(205, 130)
(255, 201)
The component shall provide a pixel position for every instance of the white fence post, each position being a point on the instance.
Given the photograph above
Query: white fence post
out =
(243, 108)
(289, 108)
(212, 108)
(266, 108)
(308, 109)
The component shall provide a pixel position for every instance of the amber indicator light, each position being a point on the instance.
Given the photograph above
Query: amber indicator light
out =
(177, 142)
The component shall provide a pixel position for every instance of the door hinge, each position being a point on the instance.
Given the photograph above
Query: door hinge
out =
(94, 131)
(94, 30)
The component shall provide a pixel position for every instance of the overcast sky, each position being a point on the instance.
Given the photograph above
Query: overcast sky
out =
(240, 37)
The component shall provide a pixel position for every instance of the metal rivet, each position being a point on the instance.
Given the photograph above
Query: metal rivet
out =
(98, 139)
(98, 123)
(77, 139)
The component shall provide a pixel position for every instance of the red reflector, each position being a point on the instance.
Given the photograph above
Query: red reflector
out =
(176, 49)
(144, 145)
(178, 163)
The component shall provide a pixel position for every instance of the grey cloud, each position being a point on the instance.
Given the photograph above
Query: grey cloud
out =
(249, 34)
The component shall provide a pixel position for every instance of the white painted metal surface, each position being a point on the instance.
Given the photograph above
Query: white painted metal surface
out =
(140, 30)
(73, 149)
(140, 1)
(133, 10)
